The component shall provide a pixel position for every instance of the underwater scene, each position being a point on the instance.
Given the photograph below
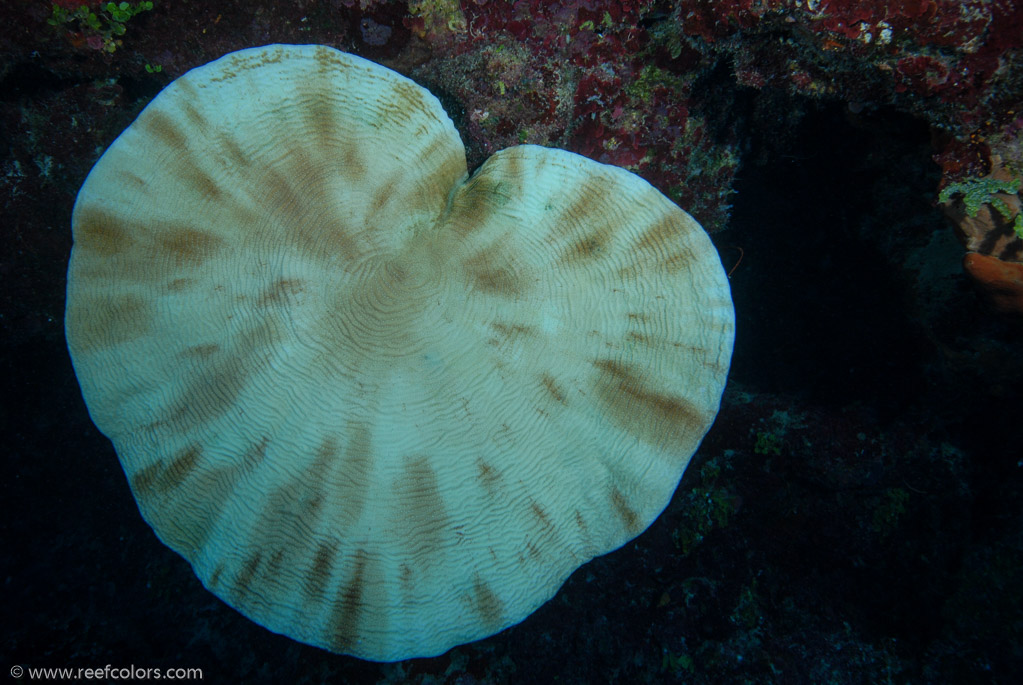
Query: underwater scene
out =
(482, 341)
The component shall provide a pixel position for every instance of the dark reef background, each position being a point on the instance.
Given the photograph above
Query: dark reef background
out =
(855, 515)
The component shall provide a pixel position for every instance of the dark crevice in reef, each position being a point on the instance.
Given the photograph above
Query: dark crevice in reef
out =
(820, 310)
(27, 80)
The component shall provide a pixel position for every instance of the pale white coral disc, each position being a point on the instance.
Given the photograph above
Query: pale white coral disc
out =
(380, 407)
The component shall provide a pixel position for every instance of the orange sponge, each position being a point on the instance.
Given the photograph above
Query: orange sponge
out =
(1003, 281)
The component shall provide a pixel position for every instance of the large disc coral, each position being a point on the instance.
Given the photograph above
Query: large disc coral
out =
(379, 406)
